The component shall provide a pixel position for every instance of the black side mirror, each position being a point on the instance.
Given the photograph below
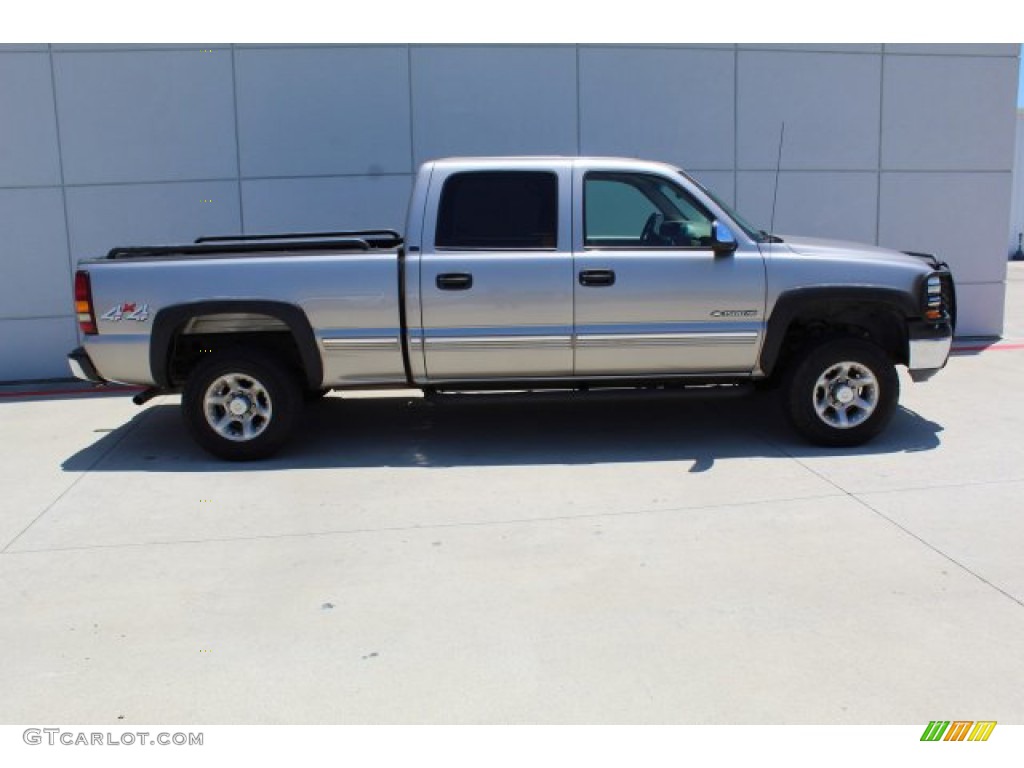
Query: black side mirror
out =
(723, 241)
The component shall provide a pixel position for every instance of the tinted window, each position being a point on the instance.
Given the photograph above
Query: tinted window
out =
(635, 210)
(615, 210)
(506, 209)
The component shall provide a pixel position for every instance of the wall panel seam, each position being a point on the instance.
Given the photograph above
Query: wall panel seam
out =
(238, 142)
(881, 138)
(412, 131)
(60, 166)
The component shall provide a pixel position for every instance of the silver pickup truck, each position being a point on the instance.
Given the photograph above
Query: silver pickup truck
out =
(516, 273)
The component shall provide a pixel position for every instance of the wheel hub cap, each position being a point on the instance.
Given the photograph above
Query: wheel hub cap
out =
(845, 395)
(237, 407)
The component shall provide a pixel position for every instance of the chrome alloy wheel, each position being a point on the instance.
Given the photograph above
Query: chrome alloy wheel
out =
(845, 395)
(237, 407)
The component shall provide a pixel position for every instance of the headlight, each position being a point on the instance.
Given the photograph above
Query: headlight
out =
(939, 297)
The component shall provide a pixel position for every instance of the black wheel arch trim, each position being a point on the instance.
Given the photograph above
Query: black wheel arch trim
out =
(793, 302)
(168, 322)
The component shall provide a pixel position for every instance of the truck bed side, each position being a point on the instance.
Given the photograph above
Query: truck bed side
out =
(339, 308)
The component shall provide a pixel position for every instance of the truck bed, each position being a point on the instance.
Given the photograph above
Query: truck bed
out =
(347, 284)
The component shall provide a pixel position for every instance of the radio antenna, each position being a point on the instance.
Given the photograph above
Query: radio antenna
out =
(775, 193)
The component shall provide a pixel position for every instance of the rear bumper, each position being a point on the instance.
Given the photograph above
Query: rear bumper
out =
(82, 367)
(929, 349)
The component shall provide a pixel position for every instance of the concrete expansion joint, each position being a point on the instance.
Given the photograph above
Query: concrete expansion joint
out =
(407, 528)
(131, 427)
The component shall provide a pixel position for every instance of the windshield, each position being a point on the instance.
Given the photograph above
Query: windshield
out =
(758, 235)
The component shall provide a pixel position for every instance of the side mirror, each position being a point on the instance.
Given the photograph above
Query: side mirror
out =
(723, 241)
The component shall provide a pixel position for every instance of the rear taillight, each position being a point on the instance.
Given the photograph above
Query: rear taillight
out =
(83, 303)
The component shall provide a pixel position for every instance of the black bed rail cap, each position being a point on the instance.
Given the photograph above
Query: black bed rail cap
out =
(388, 234)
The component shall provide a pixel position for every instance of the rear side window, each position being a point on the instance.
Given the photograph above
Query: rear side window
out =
(498, 210)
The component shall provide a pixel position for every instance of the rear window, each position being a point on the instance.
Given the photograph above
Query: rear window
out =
(498, 210)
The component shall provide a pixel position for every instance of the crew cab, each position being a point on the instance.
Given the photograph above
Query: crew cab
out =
(516, 273)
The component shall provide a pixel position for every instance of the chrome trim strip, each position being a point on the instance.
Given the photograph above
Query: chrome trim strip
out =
(496, 342)
(588, 340)
(364, 344)
(665, 339)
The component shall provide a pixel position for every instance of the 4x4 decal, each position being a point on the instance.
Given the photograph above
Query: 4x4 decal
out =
(127, 311)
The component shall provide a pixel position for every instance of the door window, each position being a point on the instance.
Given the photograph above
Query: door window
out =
(633, 210)
(504, 210)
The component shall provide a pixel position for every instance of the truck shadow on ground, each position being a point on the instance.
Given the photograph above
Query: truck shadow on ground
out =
(496, 430)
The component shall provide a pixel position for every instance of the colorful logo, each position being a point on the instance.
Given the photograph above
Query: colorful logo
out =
(958, 730)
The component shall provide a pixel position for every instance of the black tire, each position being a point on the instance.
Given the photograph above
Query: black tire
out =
(232, 379)
(842, 392)
(314, 395)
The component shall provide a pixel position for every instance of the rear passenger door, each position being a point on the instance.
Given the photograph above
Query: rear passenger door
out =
(496, 279)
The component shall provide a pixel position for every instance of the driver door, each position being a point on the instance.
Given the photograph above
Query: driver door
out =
(650, 294)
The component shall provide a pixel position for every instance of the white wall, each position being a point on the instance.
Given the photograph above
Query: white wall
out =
(1017, 205)
(907, 145)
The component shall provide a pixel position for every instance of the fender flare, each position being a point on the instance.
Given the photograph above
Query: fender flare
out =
(169, 320)
(793, 302)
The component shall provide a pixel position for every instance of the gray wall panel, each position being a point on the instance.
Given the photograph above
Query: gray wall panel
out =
(949, 113)
(829, 102)
(147, 214)
(812, 203)
(309, 111)
(1017, 204)
(671, 105)
(980, 308)
(28, 131)
(33, 254)
(357, 202)
(823, 47)
(35, 349)
(958, 216)
(955, 49)
(146, 116)
(478, 100)
(121, 47)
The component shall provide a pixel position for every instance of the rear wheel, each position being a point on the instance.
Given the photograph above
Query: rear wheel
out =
(241, 404)
(842, 392)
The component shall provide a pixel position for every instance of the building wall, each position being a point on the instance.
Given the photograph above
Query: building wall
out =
(908, 145)
(1017, 199)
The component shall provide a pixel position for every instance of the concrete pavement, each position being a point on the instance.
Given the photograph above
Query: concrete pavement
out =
(668, 559)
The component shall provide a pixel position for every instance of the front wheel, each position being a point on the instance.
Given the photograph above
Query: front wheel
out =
(842, 393)
(241, 405)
